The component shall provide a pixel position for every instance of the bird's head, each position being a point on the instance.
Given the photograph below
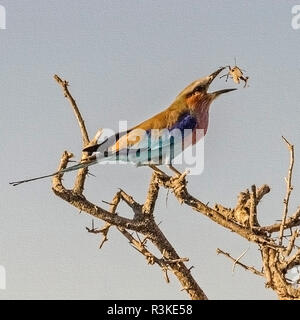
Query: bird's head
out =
(196, 94)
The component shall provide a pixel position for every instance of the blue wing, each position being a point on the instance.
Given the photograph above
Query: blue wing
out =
(153, 146)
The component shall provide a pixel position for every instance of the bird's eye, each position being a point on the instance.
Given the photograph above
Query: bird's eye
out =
(198, 89)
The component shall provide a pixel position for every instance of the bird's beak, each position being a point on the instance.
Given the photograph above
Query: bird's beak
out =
(219, 92)
(214, 74)
(212, 77)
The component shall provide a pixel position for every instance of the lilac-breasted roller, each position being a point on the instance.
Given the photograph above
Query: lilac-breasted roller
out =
(162, 137)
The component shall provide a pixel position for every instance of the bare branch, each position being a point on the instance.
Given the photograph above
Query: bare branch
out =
(64, 84)
(152, 195)
(171, 261)
(262, 191)
(253, 212)
(113, 208)
(81, 203)
(81, 174)
(275, 273)
(135, 206)
(181, 193)
(289, 189)
(294, 260)
(292, 221)
(291, 244)
(236, 262)
(104, 230)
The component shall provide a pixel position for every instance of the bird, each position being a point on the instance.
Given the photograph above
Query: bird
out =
(159, 139)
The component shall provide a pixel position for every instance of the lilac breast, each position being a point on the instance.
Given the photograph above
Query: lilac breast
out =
(202, 120)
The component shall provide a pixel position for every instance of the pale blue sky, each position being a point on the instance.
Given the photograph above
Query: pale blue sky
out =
(127, 60)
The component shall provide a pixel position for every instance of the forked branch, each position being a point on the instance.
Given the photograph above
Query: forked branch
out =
(278, 258)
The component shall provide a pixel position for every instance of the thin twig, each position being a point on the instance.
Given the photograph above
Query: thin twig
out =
(130, 201)
(64, 84)
(294, 260)
(81, 174)
(252, 269)
(289, 189)
(292, 221)
(291, 244)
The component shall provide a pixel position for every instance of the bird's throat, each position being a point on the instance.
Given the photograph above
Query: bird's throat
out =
(201, 111)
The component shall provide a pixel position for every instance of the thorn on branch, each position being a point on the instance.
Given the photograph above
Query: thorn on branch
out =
(165, 270)
(186, 289)
(190, 268)
(236, 262)
(239, 258)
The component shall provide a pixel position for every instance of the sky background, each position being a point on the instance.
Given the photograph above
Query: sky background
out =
(127, 60)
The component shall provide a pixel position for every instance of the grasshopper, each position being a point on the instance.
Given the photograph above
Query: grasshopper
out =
(236, 74)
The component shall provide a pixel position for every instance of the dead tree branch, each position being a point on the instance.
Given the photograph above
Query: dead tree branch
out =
(64, 84)
(277, 258)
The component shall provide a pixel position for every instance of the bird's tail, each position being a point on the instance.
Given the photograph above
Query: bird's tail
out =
(72, 168)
